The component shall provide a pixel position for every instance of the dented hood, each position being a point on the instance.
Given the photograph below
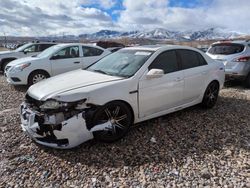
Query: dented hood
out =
(66, 82)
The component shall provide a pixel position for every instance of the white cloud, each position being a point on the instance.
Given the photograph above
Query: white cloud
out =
(228, 14)
(40, 17)
(141, 14)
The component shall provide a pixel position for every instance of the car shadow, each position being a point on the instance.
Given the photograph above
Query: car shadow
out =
(234, 84)
(21, 88)
(170, 139)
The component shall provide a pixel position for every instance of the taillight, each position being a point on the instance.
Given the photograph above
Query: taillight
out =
(242, 59)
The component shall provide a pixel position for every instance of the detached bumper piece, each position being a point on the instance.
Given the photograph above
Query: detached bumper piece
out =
(54, 130)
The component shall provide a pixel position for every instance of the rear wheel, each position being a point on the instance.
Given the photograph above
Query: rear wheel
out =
(211, 95)
(119, 118)
(37, 76)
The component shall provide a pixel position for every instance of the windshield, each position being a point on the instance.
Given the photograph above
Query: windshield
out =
(21, 48)
(49, 51)
(124, 63)
(226, 49)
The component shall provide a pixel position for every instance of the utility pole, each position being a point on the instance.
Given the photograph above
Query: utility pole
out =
(5, 40)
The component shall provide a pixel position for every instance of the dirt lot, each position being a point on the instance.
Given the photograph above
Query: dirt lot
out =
(3, 49)
(193, 147)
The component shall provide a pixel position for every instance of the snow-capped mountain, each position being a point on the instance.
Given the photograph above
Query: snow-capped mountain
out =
(164, 34)
(212, 33)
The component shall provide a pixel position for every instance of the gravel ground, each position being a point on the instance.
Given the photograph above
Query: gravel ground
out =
(191, 148)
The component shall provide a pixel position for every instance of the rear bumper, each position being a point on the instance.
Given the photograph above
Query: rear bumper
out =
(238, 70)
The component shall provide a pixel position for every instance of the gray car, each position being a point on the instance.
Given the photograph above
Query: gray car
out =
(236, 57)
(26, 50)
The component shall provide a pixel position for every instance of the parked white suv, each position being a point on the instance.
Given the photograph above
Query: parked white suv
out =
(55, 60)
(236, 57)
(25, 50)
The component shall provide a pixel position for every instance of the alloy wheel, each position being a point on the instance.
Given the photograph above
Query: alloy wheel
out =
(211, 95)
(117, 116)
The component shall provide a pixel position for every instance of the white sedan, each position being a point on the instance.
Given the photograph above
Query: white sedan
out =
(129, 86)
(55, 60)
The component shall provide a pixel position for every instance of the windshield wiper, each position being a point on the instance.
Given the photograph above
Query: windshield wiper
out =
(103, 72)
(100, 71)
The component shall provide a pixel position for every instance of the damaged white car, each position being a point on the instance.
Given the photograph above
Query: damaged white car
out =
(129, 86)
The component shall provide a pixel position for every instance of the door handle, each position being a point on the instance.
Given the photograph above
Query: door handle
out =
(204, 72)
(77, 62)
(221, 68)
(178, 79)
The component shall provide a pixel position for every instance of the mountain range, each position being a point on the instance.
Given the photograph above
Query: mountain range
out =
(164, 34)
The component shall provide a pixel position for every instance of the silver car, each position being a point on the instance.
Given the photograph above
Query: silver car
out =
(236, 57)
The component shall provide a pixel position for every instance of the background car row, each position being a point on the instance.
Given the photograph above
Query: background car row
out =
(234, 54)
(52, 61)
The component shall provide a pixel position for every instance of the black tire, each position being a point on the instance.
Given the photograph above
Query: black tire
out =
(211, 95)
(37, 76)
(120, 117)
(247, 81)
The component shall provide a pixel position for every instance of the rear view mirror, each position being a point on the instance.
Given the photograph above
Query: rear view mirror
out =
(154, 73)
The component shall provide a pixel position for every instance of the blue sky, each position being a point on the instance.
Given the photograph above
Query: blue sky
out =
(37, 17)
(189, 3)
(118, 6)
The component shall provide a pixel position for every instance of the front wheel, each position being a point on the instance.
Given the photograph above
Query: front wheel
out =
(211, 95)
(37, 76)
(119, 118)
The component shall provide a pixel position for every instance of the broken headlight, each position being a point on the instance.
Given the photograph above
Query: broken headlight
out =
(52, 104)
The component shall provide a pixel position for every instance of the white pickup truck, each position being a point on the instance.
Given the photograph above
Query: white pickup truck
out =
(26, 50)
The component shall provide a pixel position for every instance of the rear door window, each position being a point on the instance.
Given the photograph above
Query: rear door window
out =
(226, 48)
(91, 51)
(201, 59)
(189, 59)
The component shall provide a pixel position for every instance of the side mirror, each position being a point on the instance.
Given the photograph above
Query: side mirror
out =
(155, 73)
(55, 57)
(25, 52)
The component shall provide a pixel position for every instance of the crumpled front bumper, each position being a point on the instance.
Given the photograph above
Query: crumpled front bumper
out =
(68, 134)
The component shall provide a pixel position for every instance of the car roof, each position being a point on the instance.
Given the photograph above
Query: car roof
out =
(244, 42)
(41, 43)
(82, 44)
(160, 47)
